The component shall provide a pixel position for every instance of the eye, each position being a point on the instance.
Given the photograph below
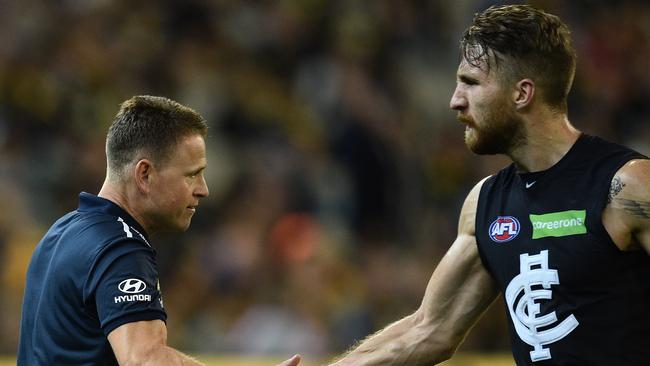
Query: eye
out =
(195, 174)
(467, 80)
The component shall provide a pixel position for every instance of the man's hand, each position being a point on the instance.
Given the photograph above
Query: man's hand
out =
(293, 361)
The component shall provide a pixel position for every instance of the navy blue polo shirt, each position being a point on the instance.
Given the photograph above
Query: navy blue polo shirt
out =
(93, 271)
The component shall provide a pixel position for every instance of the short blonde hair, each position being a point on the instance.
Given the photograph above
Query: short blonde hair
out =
(150, 125)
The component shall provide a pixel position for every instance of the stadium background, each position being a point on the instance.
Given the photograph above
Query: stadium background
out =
(336, 168)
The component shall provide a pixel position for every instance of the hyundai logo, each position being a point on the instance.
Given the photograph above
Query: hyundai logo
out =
(132, 286)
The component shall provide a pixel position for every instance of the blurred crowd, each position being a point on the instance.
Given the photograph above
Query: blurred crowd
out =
(336, 168)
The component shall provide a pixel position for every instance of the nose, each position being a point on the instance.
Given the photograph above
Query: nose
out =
(202, 189)
(458, 101)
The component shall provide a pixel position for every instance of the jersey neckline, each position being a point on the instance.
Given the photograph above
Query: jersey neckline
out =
(89, 202)
(532, 177)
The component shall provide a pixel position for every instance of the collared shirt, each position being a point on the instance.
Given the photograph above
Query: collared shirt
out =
(93, 271)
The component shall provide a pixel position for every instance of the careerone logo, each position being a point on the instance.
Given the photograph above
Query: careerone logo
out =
(133, 287)
(504, 229)
(557, 224)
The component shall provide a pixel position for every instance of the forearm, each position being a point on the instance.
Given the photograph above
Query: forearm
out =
(459, 291)
(166, 356)
(144, 343)
(409, 341)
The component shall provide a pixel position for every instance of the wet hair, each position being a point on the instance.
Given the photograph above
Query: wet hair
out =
(151, 127)
(523, 42)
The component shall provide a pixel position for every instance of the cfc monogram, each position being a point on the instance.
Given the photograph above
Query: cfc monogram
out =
(524, 307)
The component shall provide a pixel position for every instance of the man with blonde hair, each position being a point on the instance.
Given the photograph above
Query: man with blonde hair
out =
(563, 233)
(92, 295)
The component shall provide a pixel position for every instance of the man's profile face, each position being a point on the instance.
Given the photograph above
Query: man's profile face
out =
(484, 106)
(178, 185)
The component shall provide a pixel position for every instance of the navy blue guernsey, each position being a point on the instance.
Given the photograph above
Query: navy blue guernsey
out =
(93, 271)
(572, 297)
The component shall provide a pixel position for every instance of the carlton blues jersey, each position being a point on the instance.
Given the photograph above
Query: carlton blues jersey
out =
(93, 271)
(572, 297)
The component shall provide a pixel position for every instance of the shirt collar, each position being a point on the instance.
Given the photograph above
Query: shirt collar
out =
(91, 203)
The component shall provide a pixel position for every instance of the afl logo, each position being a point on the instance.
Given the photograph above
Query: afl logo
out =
(132, 286)
(504, 229)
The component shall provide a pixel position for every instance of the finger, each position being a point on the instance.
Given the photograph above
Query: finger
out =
(293, 361)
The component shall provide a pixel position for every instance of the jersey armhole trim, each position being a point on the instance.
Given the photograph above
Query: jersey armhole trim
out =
(487, 183)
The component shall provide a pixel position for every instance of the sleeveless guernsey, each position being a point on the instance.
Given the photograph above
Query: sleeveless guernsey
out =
(572, 297)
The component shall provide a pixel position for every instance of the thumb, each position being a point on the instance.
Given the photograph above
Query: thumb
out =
(293, 361)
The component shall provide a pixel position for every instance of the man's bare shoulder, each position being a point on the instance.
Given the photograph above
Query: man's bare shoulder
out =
(466, 224)
(627, 215)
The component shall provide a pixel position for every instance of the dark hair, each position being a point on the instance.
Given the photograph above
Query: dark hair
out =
(151, 125)
(529, 43)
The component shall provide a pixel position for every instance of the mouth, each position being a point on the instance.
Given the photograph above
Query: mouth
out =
(192, 209)
(464, 120)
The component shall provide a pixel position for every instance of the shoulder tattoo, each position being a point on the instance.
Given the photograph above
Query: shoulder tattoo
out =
(640, 209)
(615, 188)
(636, 208)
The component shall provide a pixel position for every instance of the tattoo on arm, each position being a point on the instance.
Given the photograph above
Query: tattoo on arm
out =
(639, 209)
(615, 188)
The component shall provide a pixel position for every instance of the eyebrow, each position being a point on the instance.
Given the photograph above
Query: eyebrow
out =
(197, 171)
(466, 79)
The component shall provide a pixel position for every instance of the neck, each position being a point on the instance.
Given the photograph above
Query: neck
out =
(547, 140)
(119, 195)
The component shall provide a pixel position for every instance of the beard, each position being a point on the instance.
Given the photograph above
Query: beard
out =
(499, 132)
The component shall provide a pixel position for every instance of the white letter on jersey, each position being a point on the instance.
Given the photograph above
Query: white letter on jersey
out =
(524, 310)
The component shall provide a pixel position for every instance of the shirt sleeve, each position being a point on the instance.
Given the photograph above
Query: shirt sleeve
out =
(126, 287)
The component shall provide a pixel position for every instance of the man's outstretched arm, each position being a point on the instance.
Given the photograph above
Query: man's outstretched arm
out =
(458, 293)
(145, 343)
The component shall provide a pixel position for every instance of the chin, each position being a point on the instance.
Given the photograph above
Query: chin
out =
(470, 141)
(484, 145)
(176, 227)
(473, 143)
(483, 150)
(181, 227)
(187, 225)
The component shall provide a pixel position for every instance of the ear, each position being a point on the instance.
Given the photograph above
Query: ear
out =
(142, 175)
(524, 93)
